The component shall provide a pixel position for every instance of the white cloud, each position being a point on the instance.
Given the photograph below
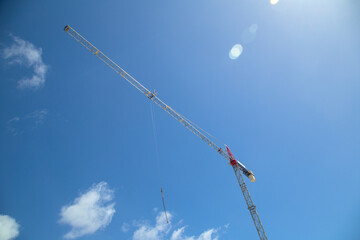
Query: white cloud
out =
(157, 232)
(178, 234)
(89, 212)
(210, 234)
(19, 125)
(11, 126)
(162, 231)
(38, 116)
(9, 228)
(25, 53)
(125, 227)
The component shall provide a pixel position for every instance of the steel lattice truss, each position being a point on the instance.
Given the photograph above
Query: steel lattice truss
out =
(250, 204)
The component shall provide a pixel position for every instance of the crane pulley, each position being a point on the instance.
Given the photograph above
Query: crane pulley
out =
(237, 166)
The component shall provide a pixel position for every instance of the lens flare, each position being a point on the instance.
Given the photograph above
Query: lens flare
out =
(273, 2)
(253, 28)
(235, 51)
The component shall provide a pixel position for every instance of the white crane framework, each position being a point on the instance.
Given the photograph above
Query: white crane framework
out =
(237, 166)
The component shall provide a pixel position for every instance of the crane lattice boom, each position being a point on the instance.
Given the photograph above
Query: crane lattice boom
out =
(237, 166)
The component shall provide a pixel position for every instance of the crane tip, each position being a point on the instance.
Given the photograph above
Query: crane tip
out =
(251, 177)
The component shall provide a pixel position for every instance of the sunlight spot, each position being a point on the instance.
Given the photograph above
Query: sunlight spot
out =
(273, 2)
(249, 33)
(253, 28)
(235, 51)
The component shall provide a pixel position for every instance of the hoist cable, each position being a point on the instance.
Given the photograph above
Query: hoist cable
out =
(157, 156)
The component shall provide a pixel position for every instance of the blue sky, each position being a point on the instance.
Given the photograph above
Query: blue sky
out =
(77, 154)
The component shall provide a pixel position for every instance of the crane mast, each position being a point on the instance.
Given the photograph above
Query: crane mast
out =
(237, 166)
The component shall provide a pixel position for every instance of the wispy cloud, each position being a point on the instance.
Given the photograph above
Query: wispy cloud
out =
(9, 228)
(157, 232)
(11, 126)
(38, 116)
(25, 53)
(210, 234)
(163, 231)
(89, 212)
(18, 125)
(125, 227)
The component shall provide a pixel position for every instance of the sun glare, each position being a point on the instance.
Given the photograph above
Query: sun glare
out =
(253, 28)
(235, 51)
(273, 2)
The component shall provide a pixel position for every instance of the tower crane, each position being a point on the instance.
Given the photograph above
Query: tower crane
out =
(238, 167)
